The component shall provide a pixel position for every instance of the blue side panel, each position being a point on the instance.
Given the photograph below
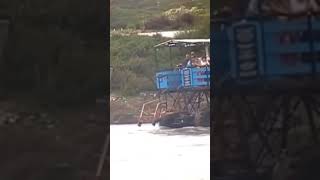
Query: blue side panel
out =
(161, 80)
(285, 65)
(186, 77)
(174, 79)
(284, 47)
(250, 51)
(168, 79)
(246, 51)
(195, 77)
(200, 77)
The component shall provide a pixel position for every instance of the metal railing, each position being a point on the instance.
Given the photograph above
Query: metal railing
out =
(140, 121)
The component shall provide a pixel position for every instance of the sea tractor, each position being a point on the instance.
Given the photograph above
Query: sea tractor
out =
(183, 92)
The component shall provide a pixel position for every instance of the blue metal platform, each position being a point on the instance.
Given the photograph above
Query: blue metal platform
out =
(196, 77)
(252, 52)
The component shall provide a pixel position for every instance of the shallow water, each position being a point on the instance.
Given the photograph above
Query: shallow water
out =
(153, 153)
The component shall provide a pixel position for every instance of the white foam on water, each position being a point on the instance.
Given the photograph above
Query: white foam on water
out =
(148, 152)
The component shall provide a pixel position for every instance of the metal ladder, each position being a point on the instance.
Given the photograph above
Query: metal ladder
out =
(150, 115)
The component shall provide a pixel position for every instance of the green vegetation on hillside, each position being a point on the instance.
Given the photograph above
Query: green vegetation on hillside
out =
(133, 57)
(135, 62)
(136, 13)
(134, 65)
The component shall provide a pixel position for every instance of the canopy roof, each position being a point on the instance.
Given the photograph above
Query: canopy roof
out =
(184, 42)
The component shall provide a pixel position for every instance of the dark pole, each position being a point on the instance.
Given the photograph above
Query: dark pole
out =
(171, 65)
(155, 58)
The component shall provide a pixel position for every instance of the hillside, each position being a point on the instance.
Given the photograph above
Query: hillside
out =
(133, 13)
(133, 56)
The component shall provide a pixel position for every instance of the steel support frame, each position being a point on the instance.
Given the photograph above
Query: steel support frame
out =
(270, 118)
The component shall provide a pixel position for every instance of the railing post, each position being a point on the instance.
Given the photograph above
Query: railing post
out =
(142, 110)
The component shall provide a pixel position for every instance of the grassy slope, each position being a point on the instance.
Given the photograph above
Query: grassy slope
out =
(131, 12)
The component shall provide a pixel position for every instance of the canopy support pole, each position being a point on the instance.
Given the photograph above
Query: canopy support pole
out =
(171, 65)
(207, 52)
(156, 58)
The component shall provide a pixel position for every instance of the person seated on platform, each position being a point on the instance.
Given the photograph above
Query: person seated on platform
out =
(197, 62)
(179, 66)
(208, 60)
(187, 61)
(193, 56)
(203, 61)
(189, 64)
(194, 60)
